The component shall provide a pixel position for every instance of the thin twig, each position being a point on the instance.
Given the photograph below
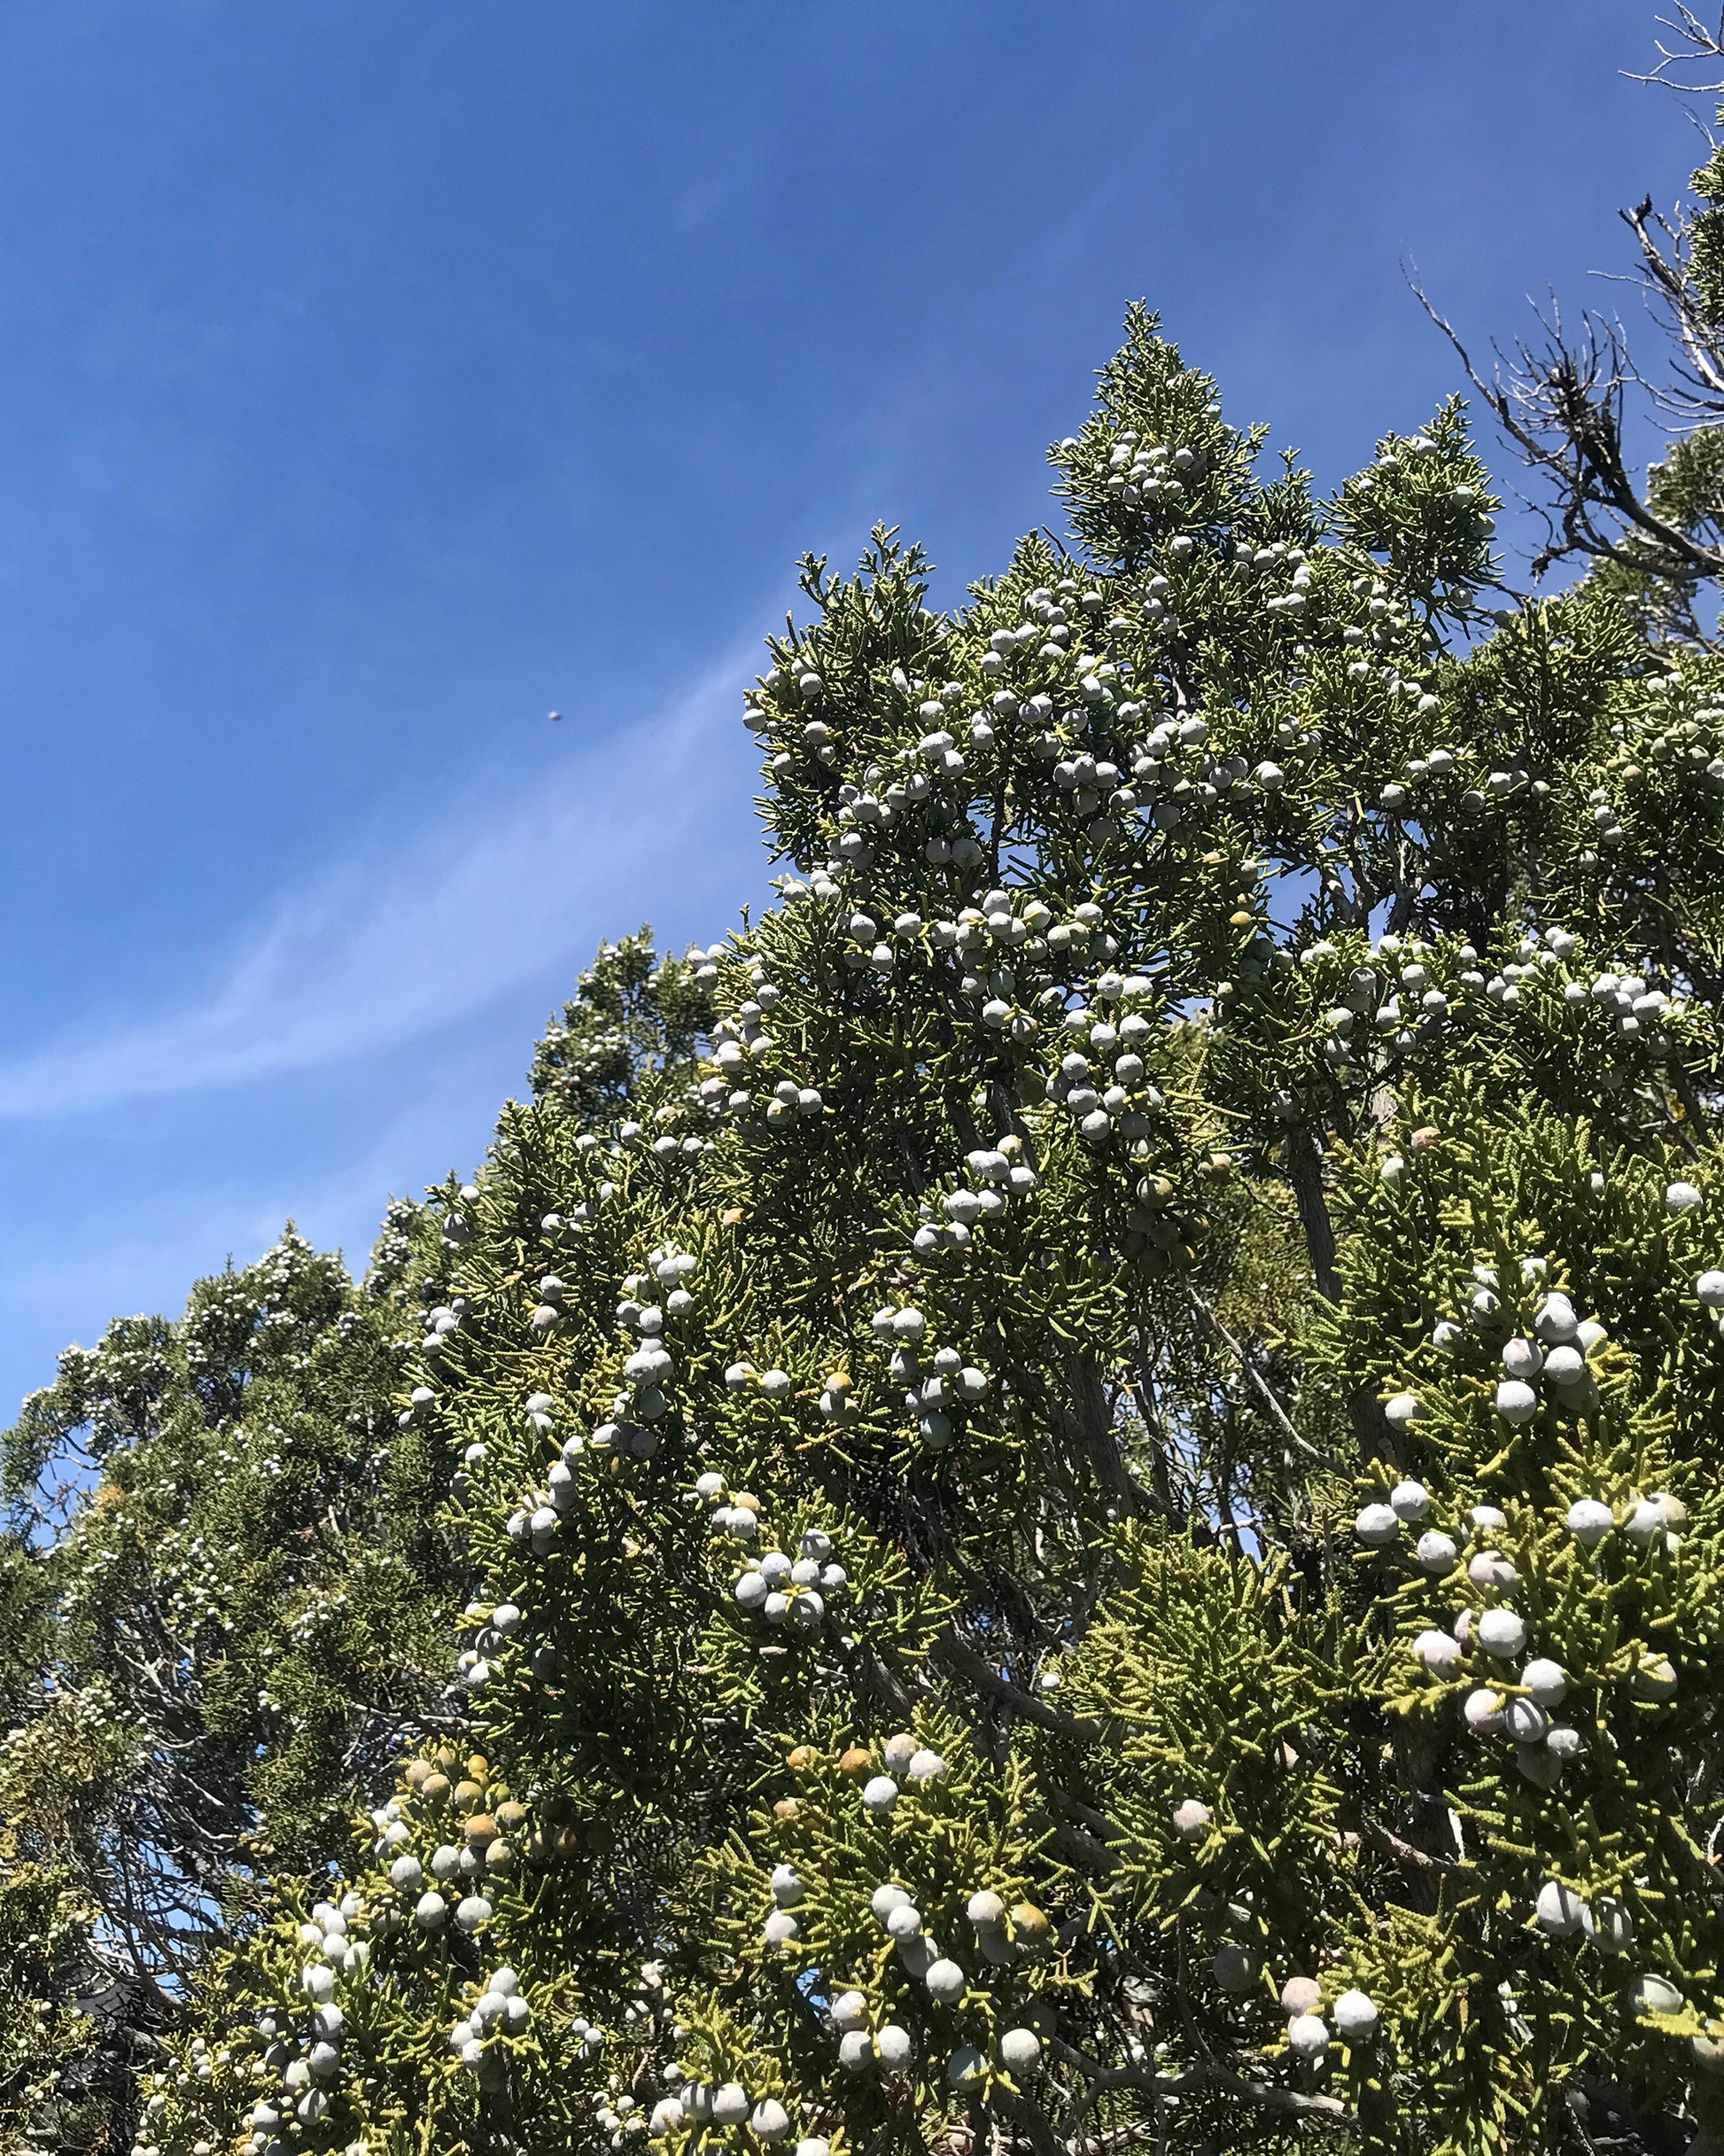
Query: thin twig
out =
(1278, 1414)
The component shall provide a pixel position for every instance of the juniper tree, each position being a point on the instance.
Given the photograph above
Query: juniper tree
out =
(1090, 1513)
(224, 1590)
(635, 1013)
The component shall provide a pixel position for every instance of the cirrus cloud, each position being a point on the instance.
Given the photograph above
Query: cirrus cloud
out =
(394, 941)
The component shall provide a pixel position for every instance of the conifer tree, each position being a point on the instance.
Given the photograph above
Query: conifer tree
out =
(1091, 1516)
(225, 1591)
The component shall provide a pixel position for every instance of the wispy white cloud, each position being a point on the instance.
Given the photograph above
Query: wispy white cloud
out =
(427, 922)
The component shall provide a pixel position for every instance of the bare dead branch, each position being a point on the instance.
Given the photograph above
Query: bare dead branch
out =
(1697, 42)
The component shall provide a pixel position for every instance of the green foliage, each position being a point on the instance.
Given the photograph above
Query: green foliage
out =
(222, 1617)
(52, 2070)
(634, 1014)
(1706, 234)
(916, 1393)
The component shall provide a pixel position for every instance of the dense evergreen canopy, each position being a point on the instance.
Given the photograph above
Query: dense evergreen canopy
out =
(1066, 1494)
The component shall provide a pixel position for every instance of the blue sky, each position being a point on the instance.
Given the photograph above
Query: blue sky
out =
(375, 378)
